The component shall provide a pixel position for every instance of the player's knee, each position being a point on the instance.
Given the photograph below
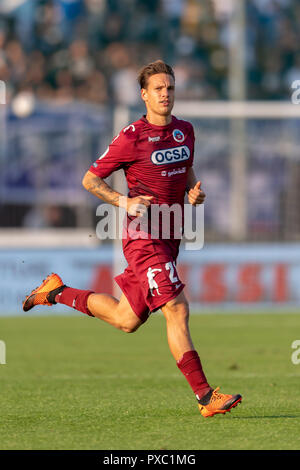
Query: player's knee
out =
(127, 320)
(129, 323)
(129, 328)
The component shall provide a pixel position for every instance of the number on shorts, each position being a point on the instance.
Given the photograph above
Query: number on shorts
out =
(170, 266)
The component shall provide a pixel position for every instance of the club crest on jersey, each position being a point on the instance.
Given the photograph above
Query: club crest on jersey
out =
(173, 155)
(178, 135)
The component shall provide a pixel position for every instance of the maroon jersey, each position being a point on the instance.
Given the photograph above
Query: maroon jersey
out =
(155, 160)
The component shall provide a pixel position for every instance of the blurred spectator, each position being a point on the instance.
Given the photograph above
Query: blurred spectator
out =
(81, 64)
(91, 49)
(22, 12)
(124, 74)
(70, 14)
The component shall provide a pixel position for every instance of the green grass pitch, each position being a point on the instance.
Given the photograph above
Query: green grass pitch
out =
(77, 383)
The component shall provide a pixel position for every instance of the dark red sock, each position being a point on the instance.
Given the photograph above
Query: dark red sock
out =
(75, 298)
(190, 366)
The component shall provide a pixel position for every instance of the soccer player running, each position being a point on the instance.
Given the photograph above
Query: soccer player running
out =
(156, 153)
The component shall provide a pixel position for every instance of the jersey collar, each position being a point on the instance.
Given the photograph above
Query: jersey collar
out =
(168, 126)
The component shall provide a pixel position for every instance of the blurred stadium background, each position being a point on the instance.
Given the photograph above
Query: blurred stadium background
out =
(68, 70)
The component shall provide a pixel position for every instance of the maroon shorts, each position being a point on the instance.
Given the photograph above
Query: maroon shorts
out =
(151, 278)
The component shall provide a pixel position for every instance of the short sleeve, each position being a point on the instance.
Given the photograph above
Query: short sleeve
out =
(119, 154)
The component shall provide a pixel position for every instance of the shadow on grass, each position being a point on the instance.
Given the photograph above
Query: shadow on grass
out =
(267, 417)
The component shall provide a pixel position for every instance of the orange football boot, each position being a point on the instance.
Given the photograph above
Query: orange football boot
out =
(217, 403)
(39, 296)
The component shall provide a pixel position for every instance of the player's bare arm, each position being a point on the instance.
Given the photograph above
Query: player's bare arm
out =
(99, 188)
(195, 194)
(135, 206)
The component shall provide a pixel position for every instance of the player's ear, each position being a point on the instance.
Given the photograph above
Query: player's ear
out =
(144, 94)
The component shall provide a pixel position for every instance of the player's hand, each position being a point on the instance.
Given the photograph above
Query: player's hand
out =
(196, 195)
(137, 206)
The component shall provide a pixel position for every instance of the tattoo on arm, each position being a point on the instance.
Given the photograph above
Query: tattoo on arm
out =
(97, 186)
